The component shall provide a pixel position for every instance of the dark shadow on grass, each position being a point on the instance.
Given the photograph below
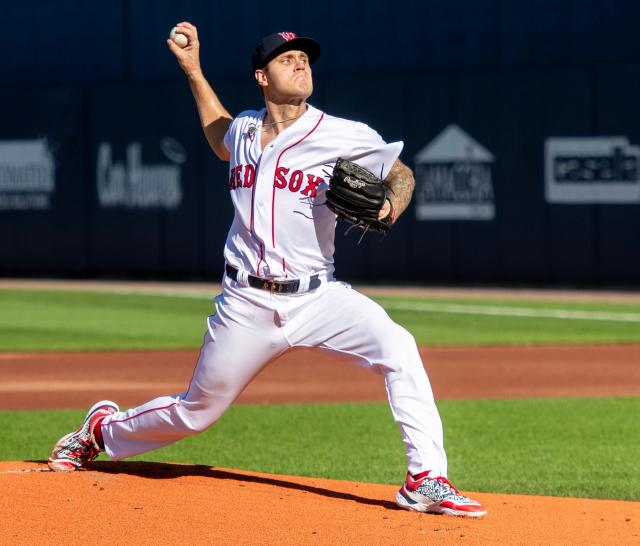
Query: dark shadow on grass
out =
(163, 471)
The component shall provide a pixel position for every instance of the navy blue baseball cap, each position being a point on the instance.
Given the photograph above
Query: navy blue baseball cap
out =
(271, 46)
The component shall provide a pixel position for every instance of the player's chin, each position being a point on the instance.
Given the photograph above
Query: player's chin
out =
(304, 88)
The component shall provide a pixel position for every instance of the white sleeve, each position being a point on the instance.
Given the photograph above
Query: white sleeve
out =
(229, 136)
(236, 128)
(368, 149)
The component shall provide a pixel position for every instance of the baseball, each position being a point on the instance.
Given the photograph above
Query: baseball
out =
(180, 39)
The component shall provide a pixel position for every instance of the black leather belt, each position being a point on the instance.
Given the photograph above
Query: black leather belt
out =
(278, 287)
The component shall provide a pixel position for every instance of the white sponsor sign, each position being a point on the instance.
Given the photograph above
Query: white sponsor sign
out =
(453, 178)
(133, 184)
(592, 170)
(27, 175)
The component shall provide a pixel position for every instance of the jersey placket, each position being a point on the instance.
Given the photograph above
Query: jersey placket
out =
(262, 214)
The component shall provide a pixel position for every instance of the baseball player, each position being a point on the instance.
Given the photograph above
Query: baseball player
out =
(278, 290)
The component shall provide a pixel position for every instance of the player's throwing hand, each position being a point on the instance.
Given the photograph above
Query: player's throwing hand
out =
(189, 55)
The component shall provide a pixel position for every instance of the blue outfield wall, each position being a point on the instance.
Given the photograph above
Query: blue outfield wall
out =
(520, 120)
(76, 42)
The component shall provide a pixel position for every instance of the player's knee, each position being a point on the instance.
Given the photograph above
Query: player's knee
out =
(402, 341)
(399, 350)
(199, 415)
(405, 338)
(200, 425)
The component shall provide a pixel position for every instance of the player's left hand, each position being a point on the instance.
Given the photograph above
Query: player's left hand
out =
(359, 197)
(385, 210)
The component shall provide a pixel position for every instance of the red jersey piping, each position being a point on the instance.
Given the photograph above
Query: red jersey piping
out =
(273, 198)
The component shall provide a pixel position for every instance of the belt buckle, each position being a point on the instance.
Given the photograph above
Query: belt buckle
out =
(272, 286)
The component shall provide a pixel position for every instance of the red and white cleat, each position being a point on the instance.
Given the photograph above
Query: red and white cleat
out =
(436, 496)
(76, 449)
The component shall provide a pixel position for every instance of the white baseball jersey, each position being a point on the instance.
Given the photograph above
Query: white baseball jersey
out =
(282, 227)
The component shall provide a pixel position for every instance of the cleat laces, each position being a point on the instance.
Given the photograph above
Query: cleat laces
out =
(439, 489)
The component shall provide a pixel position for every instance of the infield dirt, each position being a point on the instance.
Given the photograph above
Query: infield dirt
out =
(153, 503)
(77, 380)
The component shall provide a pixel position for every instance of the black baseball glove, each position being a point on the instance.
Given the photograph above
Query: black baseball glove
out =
(357, 195)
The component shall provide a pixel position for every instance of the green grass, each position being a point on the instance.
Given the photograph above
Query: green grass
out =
(463, 328)
(68, 320)
(561, 447)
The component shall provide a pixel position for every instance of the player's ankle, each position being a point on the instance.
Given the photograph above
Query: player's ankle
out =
(97, 433)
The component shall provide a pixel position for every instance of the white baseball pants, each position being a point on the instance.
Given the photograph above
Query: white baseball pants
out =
(250, 328)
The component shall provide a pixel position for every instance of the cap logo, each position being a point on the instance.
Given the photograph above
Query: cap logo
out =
(288, 35)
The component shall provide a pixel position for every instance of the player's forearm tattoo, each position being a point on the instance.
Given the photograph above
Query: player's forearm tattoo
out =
(401, 182)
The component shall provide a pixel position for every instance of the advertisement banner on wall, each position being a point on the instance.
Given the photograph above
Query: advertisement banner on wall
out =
(591, 170)
(454, 178)
(133, 184)
(27, 174)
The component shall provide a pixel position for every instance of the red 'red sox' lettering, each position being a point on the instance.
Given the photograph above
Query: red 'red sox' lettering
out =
(240, 179)
(280, 181)
(243, 176)
(296, 180)
(234, 177)
(312, 185)
(249, 175)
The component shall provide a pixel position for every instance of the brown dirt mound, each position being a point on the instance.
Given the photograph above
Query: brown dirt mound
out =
(156, 503)
(58, 380)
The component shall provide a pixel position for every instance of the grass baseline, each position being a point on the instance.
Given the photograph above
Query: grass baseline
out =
(41, 320)
(568, 447)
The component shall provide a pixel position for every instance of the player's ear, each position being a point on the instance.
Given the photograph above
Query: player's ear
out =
(261, 77)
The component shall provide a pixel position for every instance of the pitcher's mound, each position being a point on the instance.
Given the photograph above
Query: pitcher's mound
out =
(156, 503)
